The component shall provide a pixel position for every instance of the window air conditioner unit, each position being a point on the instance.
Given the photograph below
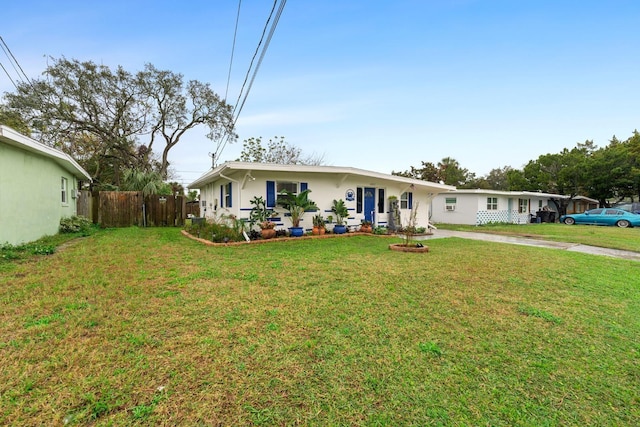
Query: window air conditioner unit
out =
(450, 208)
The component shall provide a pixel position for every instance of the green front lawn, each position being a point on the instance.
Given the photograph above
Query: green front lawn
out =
(147, 327)
(601, 236)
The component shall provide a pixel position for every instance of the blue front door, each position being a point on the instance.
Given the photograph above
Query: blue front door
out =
(369, 203)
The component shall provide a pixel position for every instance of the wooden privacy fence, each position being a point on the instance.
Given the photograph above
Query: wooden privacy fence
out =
(127, 208)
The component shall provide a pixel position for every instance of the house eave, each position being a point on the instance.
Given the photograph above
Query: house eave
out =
(341, 172)
(12, 137)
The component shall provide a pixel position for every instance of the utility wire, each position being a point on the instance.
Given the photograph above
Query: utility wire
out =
(8, 75)
(253, 58)
(264, 50)
(233, 49)
(11, 56)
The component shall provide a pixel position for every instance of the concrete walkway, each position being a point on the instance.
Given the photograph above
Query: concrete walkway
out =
(527, 241)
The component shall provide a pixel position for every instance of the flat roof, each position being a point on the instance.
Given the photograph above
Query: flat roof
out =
(214, 173)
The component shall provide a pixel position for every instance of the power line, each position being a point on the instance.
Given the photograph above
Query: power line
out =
(8, 75)
(236, 114)
(10, 55)
(233, 49)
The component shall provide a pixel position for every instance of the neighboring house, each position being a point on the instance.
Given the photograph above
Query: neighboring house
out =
(477, 207)
(229, 188)
(38, 186)
(580, 204)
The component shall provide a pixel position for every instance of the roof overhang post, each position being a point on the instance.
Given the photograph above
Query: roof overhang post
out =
(407, 188)
(344, 178)
(247, 176)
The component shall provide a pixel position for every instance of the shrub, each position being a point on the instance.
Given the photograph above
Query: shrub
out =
(10, 252)
(75, 224)
(380, 230)
(218, 230)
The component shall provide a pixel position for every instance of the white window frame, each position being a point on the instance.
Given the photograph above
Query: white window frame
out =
(404, 200)
(64, 188)
(492, 203)
(227, 194)
(281, 186)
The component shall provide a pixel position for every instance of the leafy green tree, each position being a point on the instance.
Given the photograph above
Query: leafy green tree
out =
(277, 151)
(82, 101)
(452, 173)
(428, 172)
(192, 195)
(447, 171)
(516, 180)
(179, 107)
(118, 115)
(497, 179)
(13, 120)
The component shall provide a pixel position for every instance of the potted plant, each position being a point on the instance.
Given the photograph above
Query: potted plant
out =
(261, 216)
(267, 229)
(366, 226)
(297, 205)
(318, 225)
(339, 208)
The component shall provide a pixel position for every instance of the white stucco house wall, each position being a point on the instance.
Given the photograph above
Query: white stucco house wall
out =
(478, 206)
(38, 187)
(228, 189)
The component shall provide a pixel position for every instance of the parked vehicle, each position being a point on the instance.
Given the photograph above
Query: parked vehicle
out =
(603, 216)
(629, 207)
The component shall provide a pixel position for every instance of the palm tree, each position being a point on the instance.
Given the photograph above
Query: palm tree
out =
(297, 205)
(147, 182)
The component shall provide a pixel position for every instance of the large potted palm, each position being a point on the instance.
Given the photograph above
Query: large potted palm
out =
(297, 205)
(340, 209)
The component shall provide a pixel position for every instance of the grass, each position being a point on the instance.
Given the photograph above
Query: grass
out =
(145, 327)
(600, 236)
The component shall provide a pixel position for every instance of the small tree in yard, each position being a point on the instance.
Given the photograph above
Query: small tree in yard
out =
(410, 229)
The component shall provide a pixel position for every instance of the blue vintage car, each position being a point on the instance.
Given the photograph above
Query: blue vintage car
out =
(603, 216)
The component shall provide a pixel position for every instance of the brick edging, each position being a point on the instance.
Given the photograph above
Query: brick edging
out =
(279, 239)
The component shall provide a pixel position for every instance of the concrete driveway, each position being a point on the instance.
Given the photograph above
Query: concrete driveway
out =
(574, 247)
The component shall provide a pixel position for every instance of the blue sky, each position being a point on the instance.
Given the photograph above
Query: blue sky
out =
(375, 85)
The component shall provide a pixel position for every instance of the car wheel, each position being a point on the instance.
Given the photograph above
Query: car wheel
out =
(623, 223)
(569, 221)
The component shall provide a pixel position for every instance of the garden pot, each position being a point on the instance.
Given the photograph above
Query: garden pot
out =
(339, 229)
(366, 229)
(296, 231)
(268, 233)
(318, 231)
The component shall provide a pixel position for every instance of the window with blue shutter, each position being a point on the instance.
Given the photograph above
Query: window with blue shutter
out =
(222, 196)
(271, 194)
(406, 200)
(304, 186)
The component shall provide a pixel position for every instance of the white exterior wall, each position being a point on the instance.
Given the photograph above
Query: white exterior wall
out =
(324, 189)
(464, 213)
(471, 208)
(31, 175)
